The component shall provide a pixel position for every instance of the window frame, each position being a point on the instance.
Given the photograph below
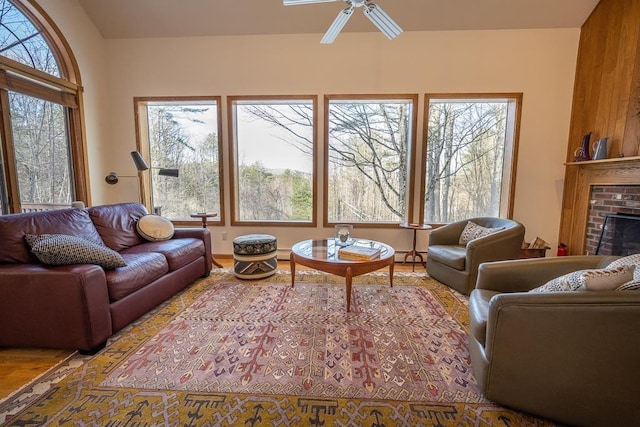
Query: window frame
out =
(65, 90)
(514, 100)
(233, 157)
(142, 145)
(411, 155)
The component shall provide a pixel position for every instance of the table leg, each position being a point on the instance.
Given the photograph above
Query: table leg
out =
(348, 278)
(292, 261)
(216, 263)
(391, 274)
(413, 253)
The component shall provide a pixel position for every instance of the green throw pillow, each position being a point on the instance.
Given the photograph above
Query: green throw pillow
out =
(63, 249)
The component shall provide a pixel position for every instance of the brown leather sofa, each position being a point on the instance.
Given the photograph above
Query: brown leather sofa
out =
(568, 356)
(457, 265)
(80, 306)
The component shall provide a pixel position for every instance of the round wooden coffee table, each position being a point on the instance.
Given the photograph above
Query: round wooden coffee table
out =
(322, 255)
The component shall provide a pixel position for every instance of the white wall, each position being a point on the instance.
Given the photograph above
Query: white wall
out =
(538, 63)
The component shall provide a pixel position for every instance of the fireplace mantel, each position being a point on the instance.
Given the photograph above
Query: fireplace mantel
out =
(579, 178)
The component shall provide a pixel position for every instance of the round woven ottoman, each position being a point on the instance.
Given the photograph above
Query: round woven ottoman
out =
(254, 256)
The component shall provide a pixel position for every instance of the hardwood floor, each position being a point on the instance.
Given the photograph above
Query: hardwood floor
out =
(20, 366)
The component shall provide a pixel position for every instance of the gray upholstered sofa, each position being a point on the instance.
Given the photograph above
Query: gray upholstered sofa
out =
(568, 356)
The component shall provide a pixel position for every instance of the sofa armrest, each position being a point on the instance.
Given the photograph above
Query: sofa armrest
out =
(198, 233)
(54, 307)
(525, 274)
(569, 344)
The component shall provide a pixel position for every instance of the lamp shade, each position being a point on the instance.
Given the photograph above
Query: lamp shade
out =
(168, 172)
(141, 165)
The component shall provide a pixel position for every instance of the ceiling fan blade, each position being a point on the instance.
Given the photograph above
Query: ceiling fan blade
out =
(383, 21)
(294, 2)
(337, 25)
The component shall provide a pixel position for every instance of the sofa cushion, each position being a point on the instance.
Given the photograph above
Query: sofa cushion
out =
(141, 269)
(62, 249)
(451, 256)
(13, 227)
(155, 227)
(602, 279)
(473, 231)
(117, 224)
(178, 252)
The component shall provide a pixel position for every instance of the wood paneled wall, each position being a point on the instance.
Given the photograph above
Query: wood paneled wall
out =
(606, 102)
(606, 90)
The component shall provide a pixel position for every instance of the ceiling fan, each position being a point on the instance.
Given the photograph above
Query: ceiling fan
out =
(380, 19)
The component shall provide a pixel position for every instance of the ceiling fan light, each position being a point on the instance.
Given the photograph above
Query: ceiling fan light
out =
(294, 2)
(337, 26)
(380, 19)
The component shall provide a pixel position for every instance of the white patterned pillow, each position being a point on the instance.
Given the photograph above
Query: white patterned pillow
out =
(474, 231)
(63, 249)
(589, 280)
(633, 285)
(155, 228)
(628, 260)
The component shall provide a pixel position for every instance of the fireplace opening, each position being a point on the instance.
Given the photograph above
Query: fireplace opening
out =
(620, 235)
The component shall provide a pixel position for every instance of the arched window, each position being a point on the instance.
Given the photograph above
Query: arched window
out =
(43, 161)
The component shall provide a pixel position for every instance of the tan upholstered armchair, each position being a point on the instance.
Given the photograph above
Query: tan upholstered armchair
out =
(456, 265)
(568, 356)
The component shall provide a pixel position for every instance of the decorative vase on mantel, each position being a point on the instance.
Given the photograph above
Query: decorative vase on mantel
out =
(582, 153)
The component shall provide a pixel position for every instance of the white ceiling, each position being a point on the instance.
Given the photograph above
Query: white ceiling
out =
(185, 18)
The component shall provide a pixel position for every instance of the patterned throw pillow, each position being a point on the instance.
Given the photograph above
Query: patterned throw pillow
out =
(63, 249)
(630, 286)
(155, 227)
(604, 279)
(628, 260)
(474, 231)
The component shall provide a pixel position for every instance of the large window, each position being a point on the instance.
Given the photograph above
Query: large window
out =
(367, 168)
(41, 146)
(181, 138)
(273, 159)
(470, 156)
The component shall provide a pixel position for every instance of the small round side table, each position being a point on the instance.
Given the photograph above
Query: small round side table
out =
(414, 253)
(204, 216)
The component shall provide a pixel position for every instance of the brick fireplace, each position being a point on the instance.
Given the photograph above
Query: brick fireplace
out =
(612, 185)
(609, 200)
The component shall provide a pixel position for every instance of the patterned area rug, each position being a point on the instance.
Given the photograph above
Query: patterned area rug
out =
(230, 352)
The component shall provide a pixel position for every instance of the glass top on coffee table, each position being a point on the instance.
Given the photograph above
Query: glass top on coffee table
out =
(327, 249)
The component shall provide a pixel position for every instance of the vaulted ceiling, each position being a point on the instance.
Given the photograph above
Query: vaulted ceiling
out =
(186, 18)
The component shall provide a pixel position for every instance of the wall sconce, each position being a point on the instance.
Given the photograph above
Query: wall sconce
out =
(141, 165)
(112, 178)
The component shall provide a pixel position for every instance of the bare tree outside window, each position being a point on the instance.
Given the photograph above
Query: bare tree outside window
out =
(274, 160)
(368, 142)
(39, 141)
(21, 41)
(368, 167)
(41, 150)
(468, 158)
(183, 135)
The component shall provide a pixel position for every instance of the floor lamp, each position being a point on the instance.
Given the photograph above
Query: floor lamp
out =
(141, 166)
